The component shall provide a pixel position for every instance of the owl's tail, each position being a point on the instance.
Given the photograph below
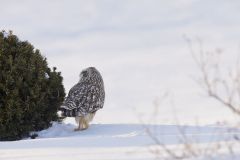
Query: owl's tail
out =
(65, 112)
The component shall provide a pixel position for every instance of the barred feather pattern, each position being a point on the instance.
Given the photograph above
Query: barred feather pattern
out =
(87, 96)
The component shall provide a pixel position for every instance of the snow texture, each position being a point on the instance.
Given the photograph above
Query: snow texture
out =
(111, 141)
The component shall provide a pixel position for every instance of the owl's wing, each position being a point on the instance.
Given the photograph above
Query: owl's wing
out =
(92, 101)
(76, 92)
(83, 99)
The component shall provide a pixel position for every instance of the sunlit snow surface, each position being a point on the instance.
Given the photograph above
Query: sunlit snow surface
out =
(114, 141)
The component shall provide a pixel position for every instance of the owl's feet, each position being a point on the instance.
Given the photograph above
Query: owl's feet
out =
(83, 124)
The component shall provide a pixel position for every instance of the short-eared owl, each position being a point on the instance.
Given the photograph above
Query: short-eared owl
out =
(85, 98)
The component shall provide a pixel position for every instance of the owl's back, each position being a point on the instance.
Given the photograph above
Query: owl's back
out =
(84, 97)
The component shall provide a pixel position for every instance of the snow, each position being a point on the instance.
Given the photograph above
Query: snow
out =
(112, 141)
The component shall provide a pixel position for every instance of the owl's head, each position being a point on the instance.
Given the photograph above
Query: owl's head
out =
(89, 73)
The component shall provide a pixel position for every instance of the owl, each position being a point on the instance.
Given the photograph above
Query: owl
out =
(85, 98)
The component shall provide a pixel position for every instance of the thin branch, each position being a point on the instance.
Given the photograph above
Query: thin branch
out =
(208, 63)
(226, 103)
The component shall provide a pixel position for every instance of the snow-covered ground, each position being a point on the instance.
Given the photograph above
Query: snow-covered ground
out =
(118, 141)
(140, 50)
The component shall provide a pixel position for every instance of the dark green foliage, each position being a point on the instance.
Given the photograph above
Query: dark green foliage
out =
(30, 92)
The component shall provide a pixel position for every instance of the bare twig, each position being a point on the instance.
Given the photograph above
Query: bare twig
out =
(210, 68)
